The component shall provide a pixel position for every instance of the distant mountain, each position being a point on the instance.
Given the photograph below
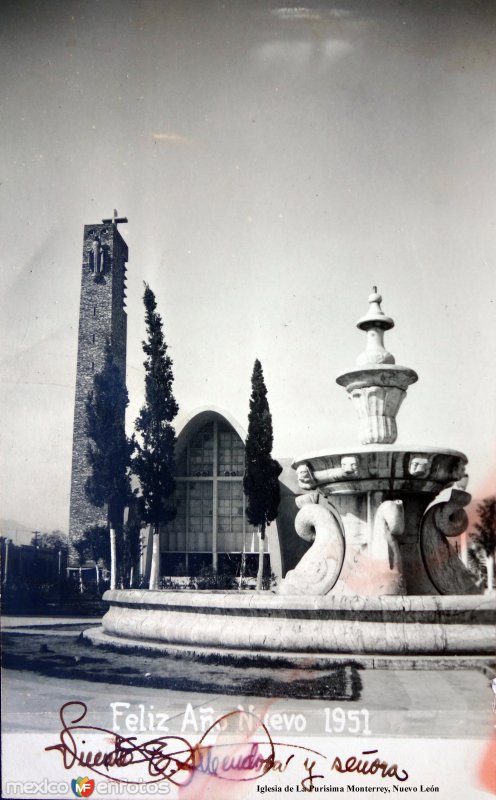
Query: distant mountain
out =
(19, 533)
(12, 525)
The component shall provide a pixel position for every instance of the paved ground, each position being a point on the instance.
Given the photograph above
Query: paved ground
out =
(10, 622)
(402, 704)
(398, 703)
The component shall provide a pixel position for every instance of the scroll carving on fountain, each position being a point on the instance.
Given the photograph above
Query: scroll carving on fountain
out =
(380, 516)
(318, 570)
(443, 519)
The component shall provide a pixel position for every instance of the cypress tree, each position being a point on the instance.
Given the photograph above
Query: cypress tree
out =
(154, 462)
(132, 545)
(109, 451)
(260, 482)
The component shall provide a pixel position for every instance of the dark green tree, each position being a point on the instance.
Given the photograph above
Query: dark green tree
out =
(109, 451)
(132, 545)
(260, 483)
(476, 562)
(154, 463)
(485, 535)
(56, 540)
(94, 545)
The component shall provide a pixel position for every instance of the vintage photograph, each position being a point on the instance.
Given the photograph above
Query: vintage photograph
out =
(248, 508)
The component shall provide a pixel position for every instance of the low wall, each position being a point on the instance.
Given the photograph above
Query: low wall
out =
(321, 625)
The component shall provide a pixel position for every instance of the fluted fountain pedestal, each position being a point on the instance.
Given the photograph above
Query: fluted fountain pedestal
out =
(377, 395)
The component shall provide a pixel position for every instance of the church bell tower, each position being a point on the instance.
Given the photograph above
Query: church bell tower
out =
(102, 319)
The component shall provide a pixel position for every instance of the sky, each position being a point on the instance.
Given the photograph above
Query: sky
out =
(274, 162)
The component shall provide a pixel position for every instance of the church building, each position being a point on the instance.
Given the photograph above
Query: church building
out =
(210, 529)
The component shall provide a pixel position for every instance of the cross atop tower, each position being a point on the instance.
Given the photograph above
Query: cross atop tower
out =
(115, 219)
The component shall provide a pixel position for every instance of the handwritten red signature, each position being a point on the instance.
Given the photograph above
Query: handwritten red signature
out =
(175, 759)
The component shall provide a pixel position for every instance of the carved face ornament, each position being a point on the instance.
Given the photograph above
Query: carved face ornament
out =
(419, 466)
(349, 465)
(304, 476)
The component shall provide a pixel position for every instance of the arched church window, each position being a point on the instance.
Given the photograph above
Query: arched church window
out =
(210, 522)
(230, 521)
(201, 453)
(231, 454)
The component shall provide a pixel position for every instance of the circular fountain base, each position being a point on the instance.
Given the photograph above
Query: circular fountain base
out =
(313, 627)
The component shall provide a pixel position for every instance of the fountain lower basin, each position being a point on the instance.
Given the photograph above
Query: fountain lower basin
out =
(264, 623)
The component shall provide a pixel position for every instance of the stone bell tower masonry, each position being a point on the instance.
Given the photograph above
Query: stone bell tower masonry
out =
(102, 319)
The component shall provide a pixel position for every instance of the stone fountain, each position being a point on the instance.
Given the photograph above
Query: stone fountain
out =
(380, 581)
(383, 515)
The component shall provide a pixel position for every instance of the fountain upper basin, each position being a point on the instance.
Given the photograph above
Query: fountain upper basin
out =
(386, 467)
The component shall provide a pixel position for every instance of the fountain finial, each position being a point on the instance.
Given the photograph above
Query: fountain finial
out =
(375, 316)
(375, 322)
